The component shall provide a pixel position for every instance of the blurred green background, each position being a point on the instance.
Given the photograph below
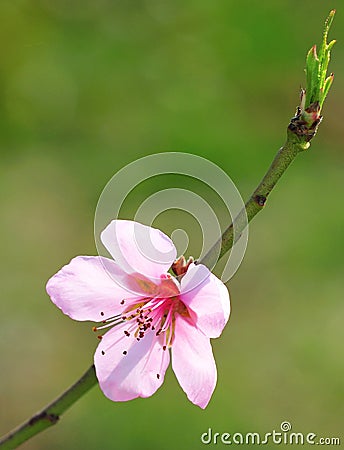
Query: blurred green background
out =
(86, 87)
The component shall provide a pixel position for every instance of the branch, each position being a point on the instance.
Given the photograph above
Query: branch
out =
(296, 142)
(301, 130)
(51, 414)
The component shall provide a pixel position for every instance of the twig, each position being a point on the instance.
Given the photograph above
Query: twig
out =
(51, 414)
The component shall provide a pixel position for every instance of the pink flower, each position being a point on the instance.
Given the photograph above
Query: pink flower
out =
(148, 311)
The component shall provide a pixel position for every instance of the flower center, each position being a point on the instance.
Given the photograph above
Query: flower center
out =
(154, 315)
(151, 314)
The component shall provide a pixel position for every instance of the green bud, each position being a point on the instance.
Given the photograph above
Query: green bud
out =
(318, 82)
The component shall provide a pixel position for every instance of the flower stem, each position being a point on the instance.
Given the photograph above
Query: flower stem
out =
(50, 415)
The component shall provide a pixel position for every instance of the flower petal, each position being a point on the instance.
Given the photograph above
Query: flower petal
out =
(207, 299)
(138, 373)
(193, 362)
(85, 289)
(138, 248)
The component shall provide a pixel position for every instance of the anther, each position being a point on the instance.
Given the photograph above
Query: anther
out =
(164, 347)
(94, 328)
(100, 337)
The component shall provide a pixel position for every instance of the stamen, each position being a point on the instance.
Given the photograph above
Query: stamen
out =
(142, 315)
(158, 304)
(167, 320)
(112, 318)
(115, 320)
(170, 336)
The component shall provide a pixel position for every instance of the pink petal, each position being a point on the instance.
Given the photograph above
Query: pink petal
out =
(84, 290)
(139, 249)
(193, 362)
(139, 373)
(207, 299)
